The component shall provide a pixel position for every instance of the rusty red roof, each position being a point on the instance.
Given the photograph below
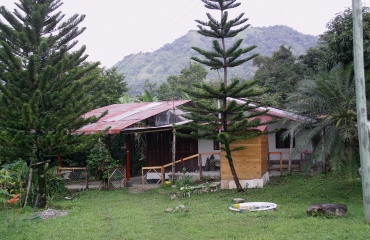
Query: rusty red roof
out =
(121, 116)
(264, 119)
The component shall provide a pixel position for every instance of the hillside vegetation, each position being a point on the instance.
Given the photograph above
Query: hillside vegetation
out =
(157, 66)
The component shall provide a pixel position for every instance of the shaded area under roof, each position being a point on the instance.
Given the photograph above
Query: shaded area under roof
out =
(122, 116)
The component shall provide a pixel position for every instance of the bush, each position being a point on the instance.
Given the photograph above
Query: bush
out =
(12, 179)
(99, 160)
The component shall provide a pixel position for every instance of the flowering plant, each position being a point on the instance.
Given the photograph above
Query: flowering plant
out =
(14, 200)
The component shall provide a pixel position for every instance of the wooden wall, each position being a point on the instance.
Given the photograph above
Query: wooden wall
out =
(159, 148)
(250, 163)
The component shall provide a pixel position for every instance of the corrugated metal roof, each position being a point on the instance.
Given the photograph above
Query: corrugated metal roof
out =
(274, 112)
(264, 119)
(121, 116)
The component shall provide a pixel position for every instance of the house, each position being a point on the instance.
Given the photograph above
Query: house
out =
(265, 153)
(156, 121)
(261, 156)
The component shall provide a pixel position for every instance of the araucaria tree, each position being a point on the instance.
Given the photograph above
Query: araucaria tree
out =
(225, 123)
(46, 85)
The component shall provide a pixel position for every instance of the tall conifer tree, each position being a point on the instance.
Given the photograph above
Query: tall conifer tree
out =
(225, 123)
(45, 84)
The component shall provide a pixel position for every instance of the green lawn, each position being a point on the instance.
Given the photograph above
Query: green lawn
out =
(124, 215)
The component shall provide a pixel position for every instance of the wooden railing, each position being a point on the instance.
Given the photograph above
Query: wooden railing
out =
(281, 165)
(161, 170)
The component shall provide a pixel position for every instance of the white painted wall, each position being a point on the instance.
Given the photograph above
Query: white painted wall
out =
(206, 146)
(272, 143)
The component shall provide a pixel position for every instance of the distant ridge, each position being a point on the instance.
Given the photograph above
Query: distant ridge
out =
(170, 59)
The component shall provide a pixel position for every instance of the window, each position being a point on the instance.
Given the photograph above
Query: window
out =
(282, 142)
(216, 145)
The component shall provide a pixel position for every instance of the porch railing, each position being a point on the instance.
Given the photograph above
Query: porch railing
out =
(287, 164)
(192, 164)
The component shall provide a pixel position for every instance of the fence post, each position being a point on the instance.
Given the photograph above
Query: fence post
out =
(162, 175)
(200, 163)
(142, 177)
(281, 163)
(87, 178)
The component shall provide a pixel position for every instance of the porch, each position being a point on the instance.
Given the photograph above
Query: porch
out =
(282, 161)
(191, 166)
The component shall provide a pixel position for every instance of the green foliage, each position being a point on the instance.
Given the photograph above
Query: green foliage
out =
(55, 184)
(221, 57)
(112, 86)
(329, 105)
(124, 99)
(338, 39)
(313, 60)
(205, 116)
(234, 124)
(173, 87)
(99, 160)
(46, 87)
(279, 74)
(184, 181)
(225, 122)
(6, 181)
(12, 179)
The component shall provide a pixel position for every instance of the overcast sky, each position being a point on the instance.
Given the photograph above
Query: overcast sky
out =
(116, 28)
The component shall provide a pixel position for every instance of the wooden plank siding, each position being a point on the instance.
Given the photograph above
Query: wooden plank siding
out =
(159, 148)
(250, 163)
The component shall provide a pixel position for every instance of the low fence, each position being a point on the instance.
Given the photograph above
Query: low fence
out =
(116, 178)
(189, 166)
(196, 167)
(78, 178)
(75, 175)
(284, 163)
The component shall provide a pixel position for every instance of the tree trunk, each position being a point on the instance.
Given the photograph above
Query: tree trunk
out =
(42, 186)
(28, 186)
(232, 168)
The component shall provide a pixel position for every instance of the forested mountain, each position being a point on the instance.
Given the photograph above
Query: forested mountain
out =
(157, 66)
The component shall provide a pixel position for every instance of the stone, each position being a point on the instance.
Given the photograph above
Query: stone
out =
(173, 196)
(238, 200)
(169, 210)
(327, 209)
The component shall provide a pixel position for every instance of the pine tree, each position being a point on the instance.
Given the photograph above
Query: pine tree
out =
(222, 57)
(225, 123)
(46, 85)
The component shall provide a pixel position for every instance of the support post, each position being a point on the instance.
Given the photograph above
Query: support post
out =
(128, 158)
(281, 163)
(200, 163)
(163, 175)
(290, 151)
(87, 178)
(173, 155)
(363, 132)
(59, 161)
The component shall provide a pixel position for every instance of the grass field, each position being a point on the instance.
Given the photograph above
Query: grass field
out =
(124, 215)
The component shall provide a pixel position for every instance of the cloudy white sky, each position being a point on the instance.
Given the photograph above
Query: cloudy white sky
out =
(116, 28)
